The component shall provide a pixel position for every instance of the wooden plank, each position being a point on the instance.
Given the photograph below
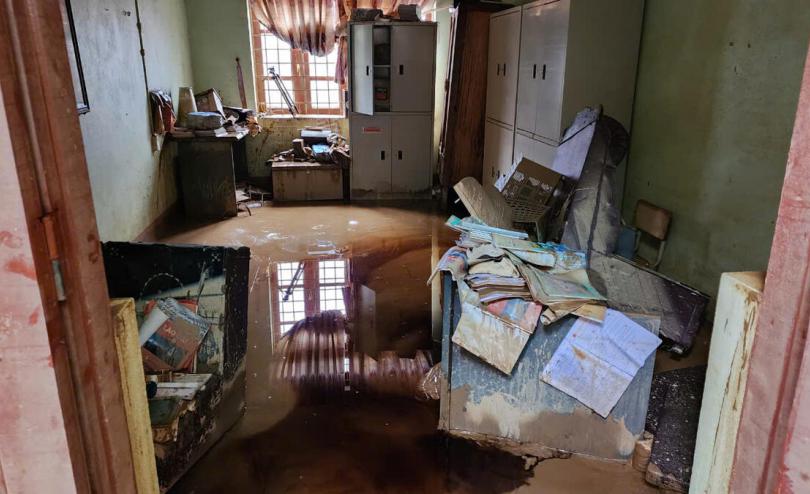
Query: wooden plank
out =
(125, 326)
(735, 324)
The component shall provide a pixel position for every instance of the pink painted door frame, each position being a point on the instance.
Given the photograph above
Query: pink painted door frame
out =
(62, 339)
(773, 442)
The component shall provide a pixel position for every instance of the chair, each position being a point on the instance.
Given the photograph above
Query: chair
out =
(654, 222)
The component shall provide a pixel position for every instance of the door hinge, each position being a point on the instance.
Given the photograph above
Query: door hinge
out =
(53, 255)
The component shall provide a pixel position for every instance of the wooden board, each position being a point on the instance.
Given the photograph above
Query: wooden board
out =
(125, 326)
(735, 323)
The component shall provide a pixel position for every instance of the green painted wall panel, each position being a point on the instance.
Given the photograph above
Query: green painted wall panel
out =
(219, 31)
(716, 97)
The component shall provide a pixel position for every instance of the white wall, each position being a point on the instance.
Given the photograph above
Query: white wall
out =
(131, 184)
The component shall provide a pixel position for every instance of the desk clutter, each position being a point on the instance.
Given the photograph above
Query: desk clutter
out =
(199, 115)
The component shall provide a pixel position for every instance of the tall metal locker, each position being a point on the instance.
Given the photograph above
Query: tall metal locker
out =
(571, 54)
(391, 88)
(502, 78)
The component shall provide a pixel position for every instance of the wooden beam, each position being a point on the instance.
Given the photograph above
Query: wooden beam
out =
(37, 88)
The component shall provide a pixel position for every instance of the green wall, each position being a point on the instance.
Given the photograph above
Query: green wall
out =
(219, 31)
(131, 174)
(715, 101)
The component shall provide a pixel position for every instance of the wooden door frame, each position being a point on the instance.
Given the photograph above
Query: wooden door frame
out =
(36, 83)
(773, 440)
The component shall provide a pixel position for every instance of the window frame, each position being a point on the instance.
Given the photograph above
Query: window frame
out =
(310, 284)
(298, 83)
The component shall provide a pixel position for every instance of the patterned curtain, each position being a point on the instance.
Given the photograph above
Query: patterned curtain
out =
(308, 25)
(315, 26)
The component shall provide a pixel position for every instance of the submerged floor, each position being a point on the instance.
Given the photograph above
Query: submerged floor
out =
(372, 263)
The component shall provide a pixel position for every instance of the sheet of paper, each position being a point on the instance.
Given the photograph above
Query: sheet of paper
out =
(596, 362)
(491, 339)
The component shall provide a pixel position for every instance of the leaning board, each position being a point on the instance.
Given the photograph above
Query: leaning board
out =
(133, 385)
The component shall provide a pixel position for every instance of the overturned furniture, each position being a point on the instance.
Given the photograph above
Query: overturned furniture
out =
(189, 410)
(520, 412)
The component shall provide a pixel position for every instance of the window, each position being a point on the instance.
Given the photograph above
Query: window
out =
(307, 288)
(293, 308)
(309, 79)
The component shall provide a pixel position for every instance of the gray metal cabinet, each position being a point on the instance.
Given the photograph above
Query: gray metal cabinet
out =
(412, 79)
(498, 140)
(502, 65)
(549, 69)
(533, 149)
(395, 156)
(362, 73)
(392, 67)
(410, 152)
(371, 153)
(572, 54)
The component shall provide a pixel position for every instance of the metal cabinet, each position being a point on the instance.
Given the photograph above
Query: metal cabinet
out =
(410, 153)
(533, 149)
(362, 75)
(502, 65)
(392, 67)
(412, 68)
(371, 152)
(395, 155)
(498, 141)
(549, 23)
(571, 54)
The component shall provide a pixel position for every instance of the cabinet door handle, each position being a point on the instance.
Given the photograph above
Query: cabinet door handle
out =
(504, 69)
(498, 69)
(534, 71)
(382, 155)
(367, 70)
(544, 72)
(401, 69)
(399, 154)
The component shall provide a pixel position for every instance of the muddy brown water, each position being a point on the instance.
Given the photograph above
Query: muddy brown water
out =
(371, 262)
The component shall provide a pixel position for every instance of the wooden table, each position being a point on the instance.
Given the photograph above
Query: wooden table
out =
(208, 168)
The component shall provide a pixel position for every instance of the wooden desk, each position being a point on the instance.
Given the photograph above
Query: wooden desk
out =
(208, 168)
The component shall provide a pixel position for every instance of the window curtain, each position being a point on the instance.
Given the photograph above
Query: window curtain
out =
(308, 25)
(315, 26)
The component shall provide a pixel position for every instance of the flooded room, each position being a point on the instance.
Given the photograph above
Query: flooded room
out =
(404, 246)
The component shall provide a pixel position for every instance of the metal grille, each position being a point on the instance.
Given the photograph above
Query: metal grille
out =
(308, 79)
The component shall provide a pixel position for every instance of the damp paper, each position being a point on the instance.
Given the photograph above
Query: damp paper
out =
(596, 362)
